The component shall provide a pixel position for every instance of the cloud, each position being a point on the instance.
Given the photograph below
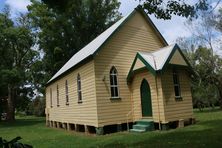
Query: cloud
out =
(19, 6)
(127, 6)
(216, 6)
(172, 29)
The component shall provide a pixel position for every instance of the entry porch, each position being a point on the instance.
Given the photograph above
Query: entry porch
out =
(160, 87)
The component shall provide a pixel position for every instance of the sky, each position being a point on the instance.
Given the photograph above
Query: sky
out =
(170, 29)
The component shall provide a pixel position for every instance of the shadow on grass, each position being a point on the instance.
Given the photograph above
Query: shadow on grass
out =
(206, 134)
(23, 122)
(208, 110)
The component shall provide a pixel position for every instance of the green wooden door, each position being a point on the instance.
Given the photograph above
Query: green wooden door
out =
(145, 99)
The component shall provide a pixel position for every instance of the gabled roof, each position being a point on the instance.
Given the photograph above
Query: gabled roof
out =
(92, 48)
(158, 60)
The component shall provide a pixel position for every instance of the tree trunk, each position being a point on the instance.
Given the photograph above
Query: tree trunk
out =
(11, 104)
(220, 96)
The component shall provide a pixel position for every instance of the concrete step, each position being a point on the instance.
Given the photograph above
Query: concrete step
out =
(144, 122)
(143, 125)
(140, 126)
(137, 130)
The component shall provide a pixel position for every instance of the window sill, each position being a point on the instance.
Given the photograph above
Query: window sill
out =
(178, 98)
(79, 102)
(115, 98)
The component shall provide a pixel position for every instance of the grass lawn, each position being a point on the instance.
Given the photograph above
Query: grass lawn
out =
(207, 132)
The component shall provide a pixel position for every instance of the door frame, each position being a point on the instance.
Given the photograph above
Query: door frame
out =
(146, 101)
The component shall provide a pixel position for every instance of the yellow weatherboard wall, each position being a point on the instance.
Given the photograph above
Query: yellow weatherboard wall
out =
(156, 96)
(182, 109)
(98, 109)
(134, 36)
(84, 113)
(178, 59)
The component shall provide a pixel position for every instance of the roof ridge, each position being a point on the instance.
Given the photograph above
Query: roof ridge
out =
(91, 47)
(158, 57)
(164, 47)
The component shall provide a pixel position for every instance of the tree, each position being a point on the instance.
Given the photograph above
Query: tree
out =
(205, 65)
(17, 56)
(218, 21)
(164, 9)
(60, 34)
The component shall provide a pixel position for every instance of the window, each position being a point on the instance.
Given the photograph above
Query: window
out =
(67, 93)
(114, 83)
(57, 94)
(79, 91)
(176, 84)
(51, 97)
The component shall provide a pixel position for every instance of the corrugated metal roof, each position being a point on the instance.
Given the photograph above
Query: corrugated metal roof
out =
(90, 48)
(157, 59)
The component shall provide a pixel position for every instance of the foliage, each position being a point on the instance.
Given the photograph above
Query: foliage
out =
(36, 107)
(61, 34)
(16, 59)
(205, 133)
(13, 143)
(206, 79)
(218, 20)
(202, 53)
(165, 9)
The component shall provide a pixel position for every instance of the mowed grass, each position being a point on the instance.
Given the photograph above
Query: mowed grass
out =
(207, 132)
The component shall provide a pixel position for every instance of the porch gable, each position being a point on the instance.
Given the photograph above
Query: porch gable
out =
(157, 61)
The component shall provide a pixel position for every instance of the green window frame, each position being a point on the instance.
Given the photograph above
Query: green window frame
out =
(79, 89)
(51, 98)
(67, 92)
(57, 92)
(114, 87)
(176, 84)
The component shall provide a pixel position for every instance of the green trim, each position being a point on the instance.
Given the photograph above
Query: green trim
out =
(83, 62)
(178, 98)
(115, 98)
(116, 30)
(130, 74)
(189, 69)
(176, 47)
(184, 57)
(177, 66)
(79, 102)
(138, 9)
(95, 53)
(166, 64)
(147, 66)
(140, 69)
(147, 18)
(169, 58)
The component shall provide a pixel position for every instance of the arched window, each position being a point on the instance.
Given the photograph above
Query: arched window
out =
(79, 91)
(51, 97)
(176, 84)
(67, 93)
(114, 83)
(57, 95)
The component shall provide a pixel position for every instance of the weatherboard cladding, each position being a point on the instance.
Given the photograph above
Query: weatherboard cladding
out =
(89, 49)
(92, 48)
(158, 60)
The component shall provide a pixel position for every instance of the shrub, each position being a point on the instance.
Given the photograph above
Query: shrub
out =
(13, 143)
